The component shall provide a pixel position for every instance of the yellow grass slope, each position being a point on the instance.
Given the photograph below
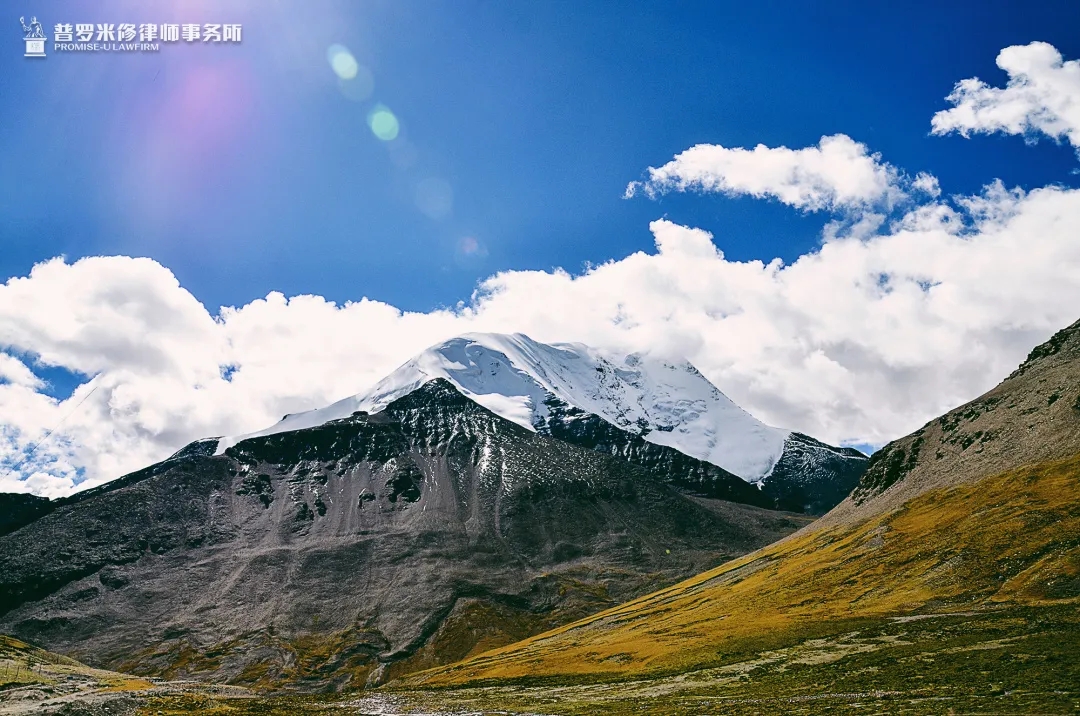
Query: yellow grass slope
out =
(30, 674)
(1012, 538)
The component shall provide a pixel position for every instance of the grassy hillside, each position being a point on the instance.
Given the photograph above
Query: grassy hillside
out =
(31, 679)
(1006, 543)
(967, 599)
(964, 600)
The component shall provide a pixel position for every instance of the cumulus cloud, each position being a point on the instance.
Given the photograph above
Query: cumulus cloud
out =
(1041, 96)
(860, 341)
(839, 173)
(13, 370)
(896, 316)
(926, 184)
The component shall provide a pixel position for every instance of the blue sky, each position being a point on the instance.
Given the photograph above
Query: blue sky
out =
(535, 114)
(247, 175)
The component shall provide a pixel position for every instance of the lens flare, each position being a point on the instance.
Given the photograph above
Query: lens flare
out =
(402, 153)
(434, 197)
(469, 246)
(342, 62)
(383, 123)
(360, 87)
(469, 253)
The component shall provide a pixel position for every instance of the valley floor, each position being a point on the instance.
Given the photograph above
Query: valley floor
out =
(1013, 660)
(1008, 661)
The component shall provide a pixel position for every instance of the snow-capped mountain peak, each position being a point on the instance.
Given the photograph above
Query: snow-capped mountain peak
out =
(668, 403)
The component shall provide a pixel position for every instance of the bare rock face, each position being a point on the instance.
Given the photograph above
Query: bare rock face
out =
(810, 476)
(363, 548)
(18, 509)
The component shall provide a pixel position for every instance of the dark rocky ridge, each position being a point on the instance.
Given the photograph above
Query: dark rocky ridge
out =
(18, 509)
(810, 476)
(813, 477)
(361, 549)
(575, 426)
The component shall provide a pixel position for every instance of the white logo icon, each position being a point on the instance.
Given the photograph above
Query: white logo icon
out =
(34, 37)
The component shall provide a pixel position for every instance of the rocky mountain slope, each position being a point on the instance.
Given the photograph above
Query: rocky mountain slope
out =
(634, 406)
(366, 546)
(18, 509)
(973, 520)
(1031, 417)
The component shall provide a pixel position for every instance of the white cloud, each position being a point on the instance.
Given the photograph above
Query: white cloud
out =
(1042, 96)
(891, 321)
(13, 370)
(926, 184)
(860, 341)
(839, 173)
